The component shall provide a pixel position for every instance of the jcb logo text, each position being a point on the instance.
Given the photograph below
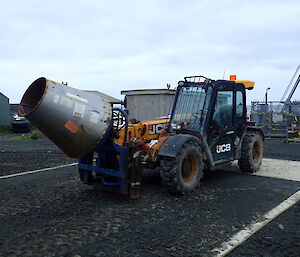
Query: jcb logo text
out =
(223, 148)
(156, 128)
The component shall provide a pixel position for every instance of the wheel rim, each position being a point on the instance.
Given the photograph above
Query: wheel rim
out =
(256, 152)
(189, 168)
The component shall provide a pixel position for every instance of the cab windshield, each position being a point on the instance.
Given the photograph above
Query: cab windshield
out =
(191, 107)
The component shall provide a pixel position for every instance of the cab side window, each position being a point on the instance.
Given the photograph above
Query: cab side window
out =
(223, 109)
(239, 104)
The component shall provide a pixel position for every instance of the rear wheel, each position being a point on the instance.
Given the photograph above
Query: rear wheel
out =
(181, 175)
(252, 153)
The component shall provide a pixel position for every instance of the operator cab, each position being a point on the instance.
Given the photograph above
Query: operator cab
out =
(216, 110)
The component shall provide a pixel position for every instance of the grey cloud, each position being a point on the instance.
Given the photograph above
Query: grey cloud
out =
(138, 44)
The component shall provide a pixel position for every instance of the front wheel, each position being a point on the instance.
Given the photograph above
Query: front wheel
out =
(251, 153)
(181, 175)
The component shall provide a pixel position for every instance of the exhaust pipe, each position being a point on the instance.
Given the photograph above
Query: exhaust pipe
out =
(76, 121)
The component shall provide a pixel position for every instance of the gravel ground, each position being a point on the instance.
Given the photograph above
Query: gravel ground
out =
(277, 149)
(25, 155)
(280, 238)
(53, 214)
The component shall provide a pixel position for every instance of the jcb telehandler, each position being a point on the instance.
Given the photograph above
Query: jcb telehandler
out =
(207, 127)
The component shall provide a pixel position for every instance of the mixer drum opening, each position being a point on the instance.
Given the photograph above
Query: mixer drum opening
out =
(32, 97)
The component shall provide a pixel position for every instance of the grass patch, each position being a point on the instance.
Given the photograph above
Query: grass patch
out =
(34, 135)
(3, 133)
(4, 130)
(18, 138)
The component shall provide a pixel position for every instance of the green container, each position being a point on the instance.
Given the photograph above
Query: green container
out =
(4, 111)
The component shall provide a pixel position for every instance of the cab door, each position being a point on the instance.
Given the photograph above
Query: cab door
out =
(240, 113)
(222, 127)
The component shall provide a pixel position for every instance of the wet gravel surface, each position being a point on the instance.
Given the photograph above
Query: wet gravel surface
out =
(277, 149)
(280, 238)
(53, 214)
(25, 155)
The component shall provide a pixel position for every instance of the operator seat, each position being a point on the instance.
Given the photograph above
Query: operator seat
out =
(223, 116)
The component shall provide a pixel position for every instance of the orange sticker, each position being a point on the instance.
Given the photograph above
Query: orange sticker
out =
(69, 125)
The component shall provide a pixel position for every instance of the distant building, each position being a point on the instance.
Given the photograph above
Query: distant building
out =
(108, 97)
(4, 110)
(149, 104)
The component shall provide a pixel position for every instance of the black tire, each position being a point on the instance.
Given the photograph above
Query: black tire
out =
(181, 175)
(251, 153)
(151, 176)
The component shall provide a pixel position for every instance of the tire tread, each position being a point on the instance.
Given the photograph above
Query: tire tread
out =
(245, 162)
(169, 167)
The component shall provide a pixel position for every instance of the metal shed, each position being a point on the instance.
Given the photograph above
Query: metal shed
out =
(108, 97)
(149, 104)
(4, 110)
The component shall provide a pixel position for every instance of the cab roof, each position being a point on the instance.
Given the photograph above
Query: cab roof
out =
(201, 79)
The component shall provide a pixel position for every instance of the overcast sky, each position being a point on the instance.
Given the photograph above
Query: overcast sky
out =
(111, 46)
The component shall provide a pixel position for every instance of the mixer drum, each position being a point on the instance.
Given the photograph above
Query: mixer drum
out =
(75, 120)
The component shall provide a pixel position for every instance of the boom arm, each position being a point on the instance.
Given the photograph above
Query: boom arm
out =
(293, 90)
(288, 99)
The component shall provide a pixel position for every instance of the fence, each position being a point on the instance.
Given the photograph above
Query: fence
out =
(277, 119)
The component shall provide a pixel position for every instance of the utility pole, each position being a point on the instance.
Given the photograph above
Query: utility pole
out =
(267, 94)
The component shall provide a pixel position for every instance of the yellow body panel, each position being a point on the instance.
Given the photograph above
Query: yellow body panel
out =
(144, 132)
(145, 135)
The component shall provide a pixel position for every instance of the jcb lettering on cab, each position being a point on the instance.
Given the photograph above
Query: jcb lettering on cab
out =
(223, 148)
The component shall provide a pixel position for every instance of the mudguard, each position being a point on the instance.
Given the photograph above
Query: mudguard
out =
(256, 129)
(251, 129)
(174, 143)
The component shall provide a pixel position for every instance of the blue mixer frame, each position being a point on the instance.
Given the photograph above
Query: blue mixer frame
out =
(107, 145)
